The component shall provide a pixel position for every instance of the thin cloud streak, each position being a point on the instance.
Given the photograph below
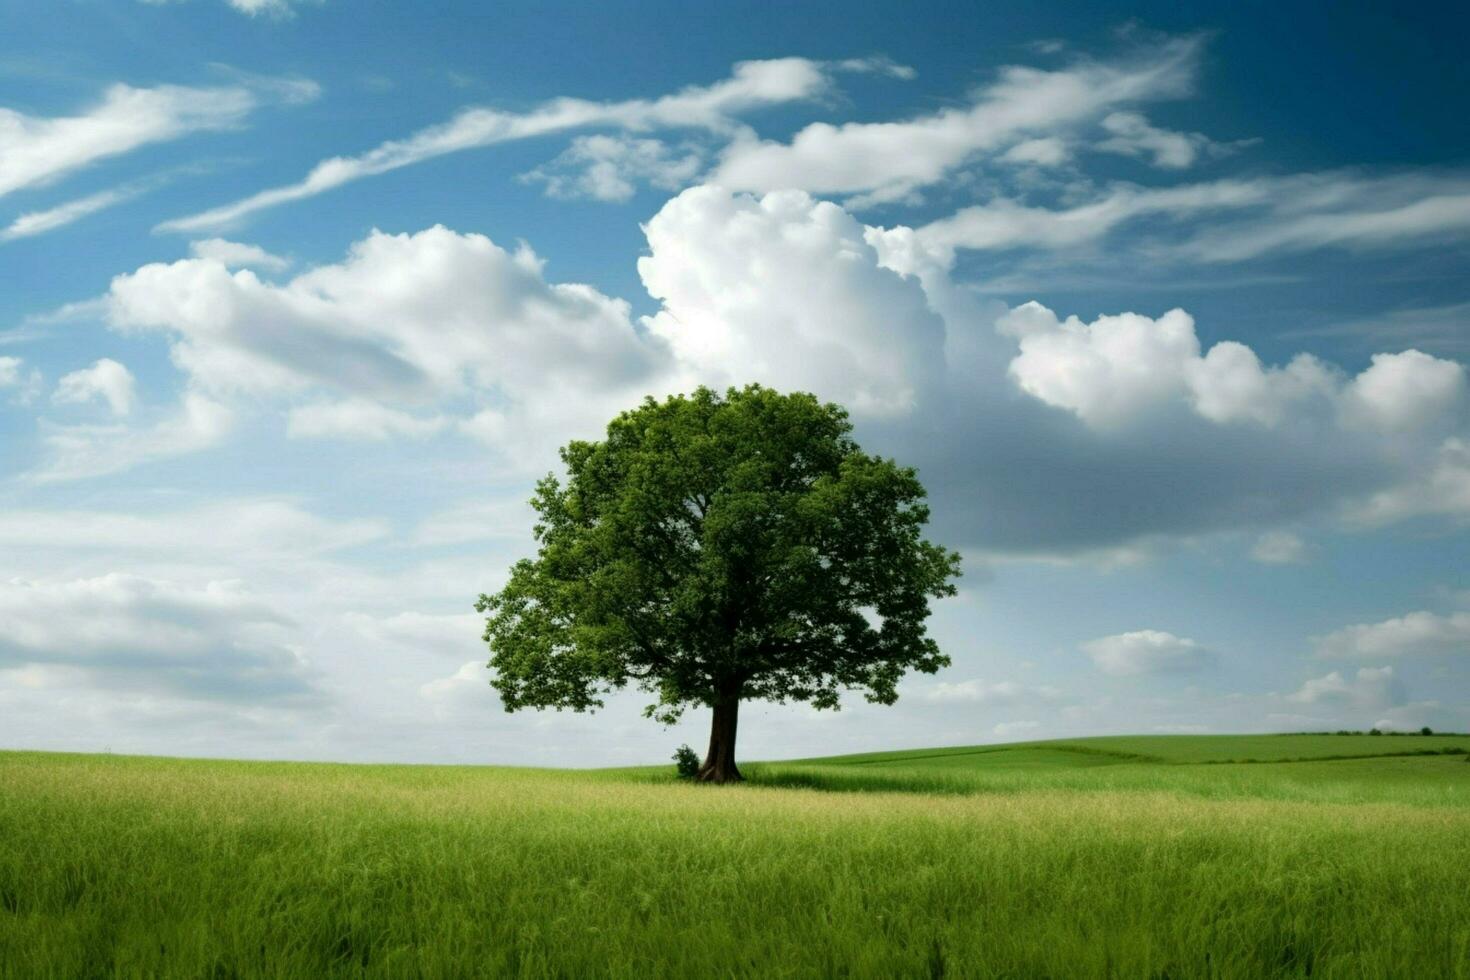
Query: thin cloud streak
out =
(751, 85)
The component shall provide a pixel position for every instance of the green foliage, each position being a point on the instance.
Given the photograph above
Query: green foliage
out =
(714, 548)
(1051, 863)
(686, 762)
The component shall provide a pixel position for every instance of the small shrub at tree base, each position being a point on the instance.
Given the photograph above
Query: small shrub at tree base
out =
(686, 762)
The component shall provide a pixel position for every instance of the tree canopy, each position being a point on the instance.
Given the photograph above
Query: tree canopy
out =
(718, 548)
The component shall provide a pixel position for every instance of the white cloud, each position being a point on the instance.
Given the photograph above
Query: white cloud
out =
(1007, 728)
(1229, 385)
(408, 316)
(1120, 367)
(292, 587)
(976, 691)
(209, 641)
(610, 168)
(1341, 210)
(893, 158)
(476, 520)
(794, 293)
(274, 8)
(876, 65)
(1279, 548)
(1044, 151)
(35, 150)
(236, 255)
(405, 322)
(1442, 487)
(39, 222)
(228, 531)
(359, 420)
(279, 9)
(74, 452)
(105, 379)
(1407, 392)
(451, 636)
(1233, 219)
(1415, 634)
(1131, 134)
(712, 108)
(1003, 223)
(24, 386)
(1006, 412)
(787, 291)
(1372, 687)
(472, 674)
(1109, 371)
(1145, 652)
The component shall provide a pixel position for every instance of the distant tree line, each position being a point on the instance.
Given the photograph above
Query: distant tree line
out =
(1426, 730)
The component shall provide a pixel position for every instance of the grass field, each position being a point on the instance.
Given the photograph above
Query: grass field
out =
(1127, 857)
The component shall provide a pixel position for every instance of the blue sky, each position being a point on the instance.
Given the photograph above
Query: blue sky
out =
(1169, 307)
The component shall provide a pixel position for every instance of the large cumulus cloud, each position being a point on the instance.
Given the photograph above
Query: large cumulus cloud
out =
(1038, 432)
(786, 290)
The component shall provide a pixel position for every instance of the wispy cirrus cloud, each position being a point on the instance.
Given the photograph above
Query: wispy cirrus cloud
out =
(1437, 329)
(714, 108)
(1131, 134)
(609, 168)
(36, 150)
(1227, 220)
(49, 219)
(278, 9)
(1325, 211)
(888, 160)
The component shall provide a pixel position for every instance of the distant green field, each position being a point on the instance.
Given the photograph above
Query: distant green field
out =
(1188, 748)
(1309, 768)
(1107, 857)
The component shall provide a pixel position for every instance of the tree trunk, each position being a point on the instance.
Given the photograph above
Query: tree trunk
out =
(719, 765)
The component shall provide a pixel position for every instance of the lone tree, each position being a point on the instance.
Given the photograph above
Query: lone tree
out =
(714, 549)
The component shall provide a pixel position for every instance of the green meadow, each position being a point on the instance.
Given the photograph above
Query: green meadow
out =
(1171, 856)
